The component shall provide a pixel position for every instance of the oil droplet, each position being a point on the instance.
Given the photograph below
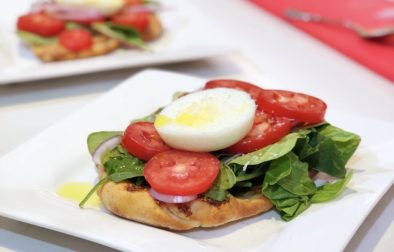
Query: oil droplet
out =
(76, 192)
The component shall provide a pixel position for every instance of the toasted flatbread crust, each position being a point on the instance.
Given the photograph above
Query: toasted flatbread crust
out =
(135, 203)
(55, 52)
(154, 29)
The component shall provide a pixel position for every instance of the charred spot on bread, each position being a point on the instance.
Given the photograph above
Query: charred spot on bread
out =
(212, 202)
(131, 187)
(184, 208)
(134, 202)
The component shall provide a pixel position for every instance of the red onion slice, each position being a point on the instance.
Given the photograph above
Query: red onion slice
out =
(105, 147)
(67, 12)
(171, 198)
(142, 8)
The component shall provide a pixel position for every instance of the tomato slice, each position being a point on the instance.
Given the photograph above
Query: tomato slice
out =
(41, 24)
(176, 172)
(297, 106)
(142, 140)
(266, 130)
(136, 20)
(253, 90)
(76, 40)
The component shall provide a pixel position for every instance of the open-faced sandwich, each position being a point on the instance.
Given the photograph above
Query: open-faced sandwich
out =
(220, 154)
(70, 29)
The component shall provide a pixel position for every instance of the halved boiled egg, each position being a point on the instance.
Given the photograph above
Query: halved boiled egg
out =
(206, 120)
(107, 7)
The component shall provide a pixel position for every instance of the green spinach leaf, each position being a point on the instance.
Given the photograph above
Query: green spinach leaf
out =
(119, 165)
(149, 118)
(124, 167)
(93, 190)
(273, 151)
(70, 25)
(289, 205)
(329, 149)
(34, 39)
(225, 180)
(251, 173)
(124, 34)
(97, 138)
(288, 186)
(332, 190)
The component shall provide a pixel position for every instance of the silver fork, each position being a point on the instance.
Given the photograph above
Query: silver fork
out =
(376, 33)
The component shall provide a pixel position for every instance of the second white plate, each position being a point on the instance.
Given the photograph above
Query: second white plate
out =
(189, 35)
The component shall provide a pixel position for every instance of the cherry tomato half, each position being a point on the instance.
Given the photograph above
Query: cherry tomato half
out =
(142, 140)
(297, 106)
(136, 20)
(253, 90)
(266, 130)
(41, 24)
(178, 172)
(76, 40)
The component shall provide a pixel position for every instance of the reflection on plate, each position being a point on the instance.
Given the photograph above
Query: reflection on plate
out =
(32, 173)
(189, 35)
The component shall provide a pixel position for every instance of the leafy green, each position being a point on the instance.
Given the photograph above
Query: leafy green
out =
(149, 118)
(250, 173)
(178, 95)
(93, 190)
(124, 34)
(151, 2)
(288, 185)
(73, 25)
(117, 151)
(332, 190)
(97, 138)
(119, 166)
(34, 39)
(329, 149)
(289, 205)
(244, 184)
(124, 167)
(271, 152)
(224, 181)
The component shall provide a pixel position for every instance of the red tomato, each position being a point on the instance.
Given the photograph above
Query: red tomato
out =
(136, 20)
(297, 106)
(41, 24)
(142, 140)
(76, 40)
(266, 130)
(178, 172)
(253, 90)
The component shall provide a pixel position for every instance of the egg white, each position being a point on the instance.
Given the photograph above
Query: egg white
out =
(207, 120)
(107, 7)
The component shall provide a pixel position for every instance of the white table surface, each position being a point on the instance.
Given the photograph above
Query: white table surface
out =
(270, 51)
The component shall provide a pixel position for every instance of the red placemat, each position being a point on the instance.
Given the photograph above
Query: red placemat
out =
(379, 57)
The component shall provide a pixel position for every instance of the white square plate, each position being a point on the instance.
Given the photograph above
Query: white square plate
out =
(31, 174)
(189, 35)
